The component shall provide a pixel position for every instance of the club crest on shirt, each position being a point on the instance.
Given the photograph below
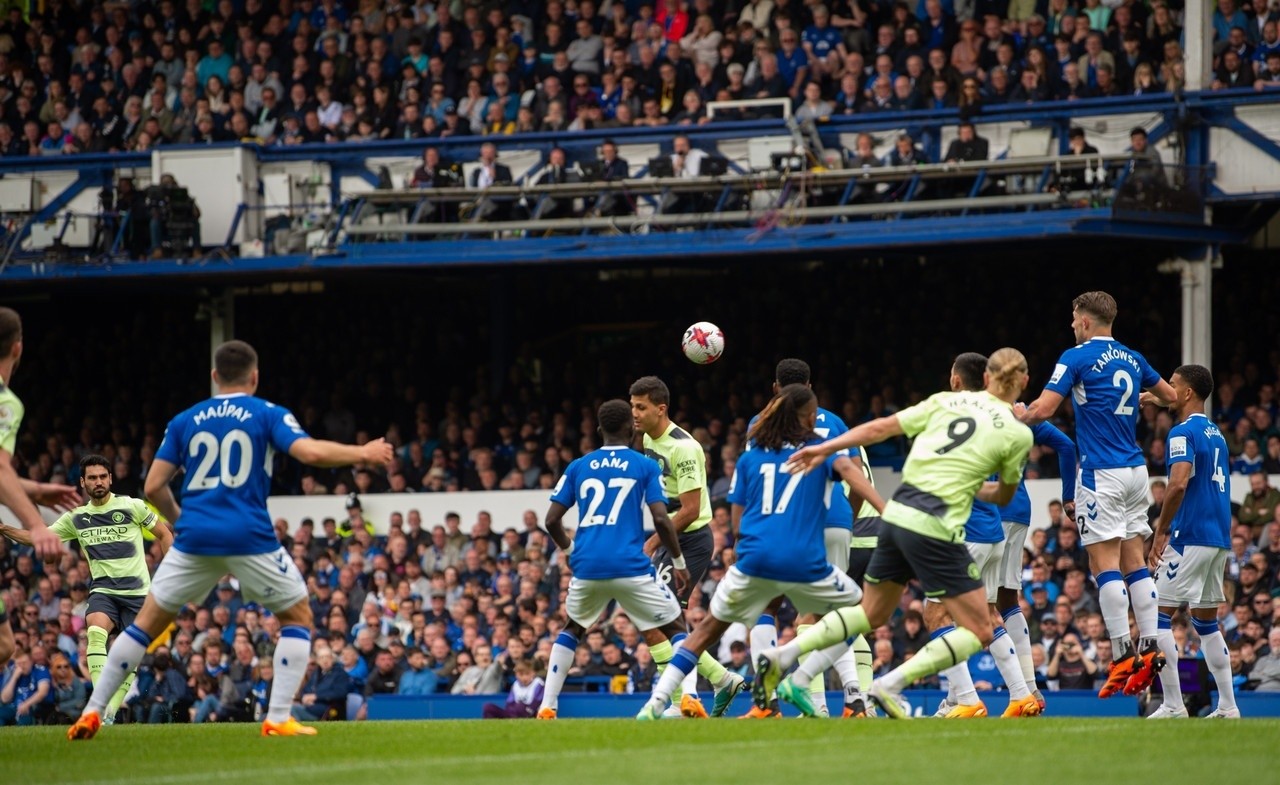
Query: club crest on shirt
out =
(662, 461)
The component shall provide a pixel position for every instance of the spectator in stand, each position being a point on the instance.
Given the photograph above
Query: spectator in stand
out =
(1249, 461)
(1259, 506)
(526, 693)
(326, 688)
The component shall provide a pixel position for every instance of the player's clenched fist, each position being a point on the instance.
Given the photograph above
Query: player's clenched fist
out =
(377, 451)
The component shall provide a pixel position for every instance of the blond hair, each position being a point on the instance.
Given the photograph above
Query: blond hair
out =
(1006, 371)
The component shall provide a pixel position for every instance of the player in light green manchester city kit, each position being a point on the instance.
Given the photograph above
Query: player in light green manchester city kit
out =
(684, 480)
(109, 530)
(16, 493)
(961, 439)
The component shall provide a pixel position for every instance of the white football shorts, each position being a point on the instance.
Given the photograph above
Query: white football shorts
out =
(1015, 540)
(269, 579)
(742, 598)
(1111, 504)
(1193, 576)
(644, 598)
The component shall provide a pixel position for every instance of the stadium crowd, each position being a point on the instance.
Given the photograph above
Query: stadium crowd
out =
(456, 605)
(80, 76)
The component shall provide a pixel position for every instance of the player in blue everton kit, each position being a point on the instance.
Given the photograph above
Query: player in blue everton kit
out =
(611, 487)
(1016, 517)
(1193, 539)
(226, 445)
(854, 667)
(778, 518)
(1105, 379)
(984, 539)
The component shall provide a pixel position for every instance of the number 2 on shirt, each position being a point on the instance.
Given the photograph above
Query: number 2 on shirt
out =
(596, 490)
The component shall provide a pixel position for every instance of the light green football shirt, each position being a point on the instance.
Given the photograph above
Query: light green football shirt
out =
(110, 535)
(684, 468)
(961, 439)
(11, 412)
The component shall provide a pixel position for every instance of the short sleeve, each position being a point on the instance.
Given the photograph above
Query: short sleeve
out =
(1179, 448)
(737, 493)
(285, 428)
(563, 493)
(144, 515)
(171, 448)
(1064, 375)
(64, 527)
(11, 412)
(913, 419)
(689, 467)
(653, 491)
(829, 465)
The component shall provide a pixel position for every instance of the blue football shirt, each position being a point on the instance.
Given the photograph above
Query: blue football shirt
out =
(829, 425)
(227, 445)
(1205, 515)
(1019, 509)
(780, 535)
(984, 524)
(610, 487)
(1103, 378)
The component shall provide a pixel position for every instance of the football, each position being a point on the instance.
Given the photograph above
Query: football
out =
(703, 343)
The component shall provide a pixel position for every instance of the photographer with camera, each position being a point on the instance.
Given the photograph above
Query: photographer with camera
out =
(1069, 666)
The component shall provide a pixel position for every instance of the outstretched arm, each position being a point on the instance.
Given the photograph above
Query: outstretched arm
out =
(326, 454)
(872, 432)
(1040, 409)
(14, 496)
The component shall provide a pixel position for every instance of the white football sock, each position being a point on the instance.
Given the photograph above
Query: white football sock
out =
(126, 652)
(961, 682)
(1216, 657)
(1115, 611)
(1169, 674)
(293, 652)
(558, 665)
(1006, 657)
(847, 669)
(1146, 608)
(1016, 625)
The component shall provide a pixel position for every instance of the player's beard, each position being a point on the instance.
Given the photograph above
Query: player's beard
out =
(98, 494)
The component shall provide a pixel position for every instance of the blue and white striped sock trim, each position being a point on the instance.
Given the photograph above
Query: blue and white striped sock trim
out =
(684, 661)
(295, 631)
(135, 632)
(1204, 627)
(1164, 621)
(1109, 576)
(1139, 574)
(938, 633)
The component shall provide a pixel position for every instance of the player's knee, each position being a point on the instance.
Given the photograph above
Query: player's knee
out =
(984, 630)
(298, 615)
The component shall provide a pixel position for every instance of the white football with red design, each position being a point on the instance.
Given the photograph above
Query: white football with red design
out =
(703, 343)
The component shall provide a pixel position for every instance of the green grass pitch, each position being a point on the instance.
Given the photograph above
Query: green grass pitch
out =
(621, 752)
